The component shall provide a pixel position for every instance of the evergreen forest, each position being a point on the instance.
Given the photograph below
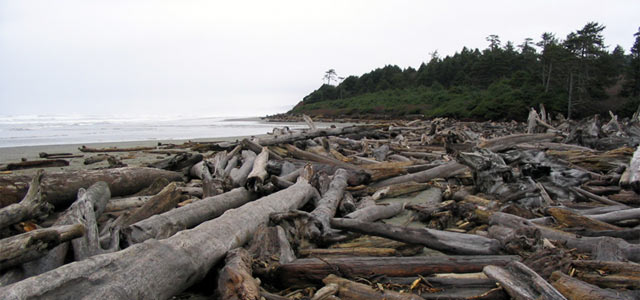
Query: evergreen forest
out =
(576, 76)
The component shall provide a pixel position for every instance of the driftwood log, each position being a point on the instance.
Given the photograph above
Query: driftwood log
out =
(164, 225)
(160, 269)
(522, 283)
(236, 281)
(60, 188)
(327, 207)
(445, 241)
(575, 289)
(349, 290)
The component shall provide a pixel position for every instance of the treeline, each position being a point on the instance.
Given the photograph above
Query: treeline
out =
(575, 76)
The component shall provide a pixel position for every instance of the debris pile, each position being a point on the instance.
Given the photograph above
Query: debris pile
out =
(423, 209)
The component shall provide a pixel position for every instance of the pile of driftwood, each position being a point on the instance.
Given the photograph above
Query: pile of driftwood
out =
(434, 209)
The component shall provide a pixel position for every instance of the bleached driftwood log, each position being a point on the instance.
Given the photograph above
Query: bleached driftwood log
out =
(32, 205)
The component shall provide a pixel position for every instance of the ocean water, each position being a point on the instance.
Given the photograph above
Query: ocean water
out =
(32, 130)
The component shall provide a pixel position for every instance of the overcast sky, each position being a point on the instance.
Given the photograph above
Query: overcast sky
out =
(223, 58)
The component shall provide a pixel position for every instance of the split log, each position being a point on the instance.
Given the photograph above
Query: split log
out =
(575, 289)
(31, 245)
(445, 241)
(31, 164)
(311, 270)
(164, 225)
(376, 212)
(113, 149)
(32, 206)
(60, 188)
(85, 210)
(160, 269)
(522, 283)
(258, 175)
(349, 290)
(167, 199)
(327, 207)
(608, 274)
(239, 176)
(442, 171)
(235, 281)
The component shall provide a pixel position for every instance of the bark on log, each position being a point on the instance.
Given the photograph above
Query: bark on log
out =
(349, 290)
(31, 164)
(159, 269)
(445, 241)
(445, 170)
(235, 281)
(311, 270)
(32, 206)
(164, 225)
(60, 188)
(522, 283)
(31, 245)
(575, 289)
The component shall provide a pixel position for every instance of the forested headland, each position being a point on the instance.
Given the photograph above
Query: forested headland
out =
(577, 76)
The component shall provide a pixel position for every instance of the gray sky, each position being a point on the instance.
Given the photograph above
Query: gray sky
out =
(247, 57)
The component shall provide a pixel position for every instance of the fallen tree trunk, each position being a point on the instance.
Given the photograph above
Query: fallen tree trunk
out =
(327, 207)
(235, 281)
(31, 245)
(167, 224)
(132, 149)
(608, 274)
(32, 206)
(60, 188)
(160, 269)
(31, 164)
(506, 142)
(312, 270)
(445, 170)
(445, 241)
(522, 283)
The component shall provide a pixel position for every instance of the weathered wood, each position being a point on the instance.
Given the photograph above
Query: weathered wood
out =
(349, 252)
(164, 225)
(159, 269)
(85, 210)
(258, 174)
(571, 219)
(522, 283)
(634, 171)
(114, 149)
(31, 164)
(444, 170)
(594, 197)
(575, 289)
(32, 206)
(312, 270)
(31, 245)
(301, 154)
(506, 142)
(399, 189)
(376, 212)
(616, 216)
(236, 281)
(57, 155)
(327, 207)
(325, 292)
(270, 247)
(178, 162)
(239, 176)
(445, 241)
(290, 138)
(349, 290)
(60, 188)
(608, 274)
(167, 199)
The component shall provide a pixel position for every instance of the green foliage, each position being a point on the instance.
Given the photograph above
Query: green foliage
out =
(499, 82)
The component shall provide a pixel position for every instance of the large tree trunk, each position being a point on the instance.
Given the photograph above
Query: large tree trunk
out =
(32, 206)
(445, 241)
(159, 269)
(60, 188)
(167, 224)
(311, 270)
